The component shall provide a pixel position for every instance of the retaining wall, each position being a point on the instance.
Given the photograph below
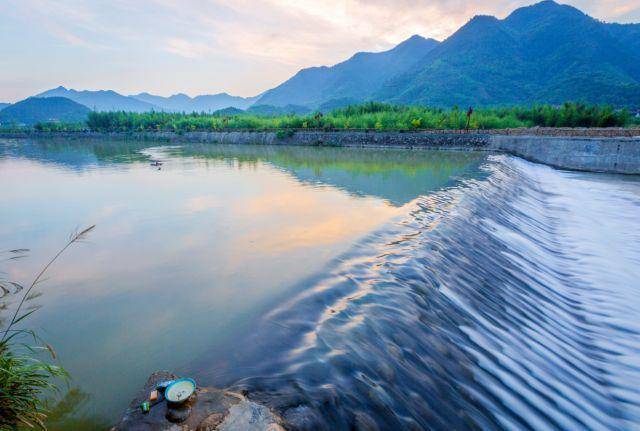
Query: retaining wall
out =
(613, 155)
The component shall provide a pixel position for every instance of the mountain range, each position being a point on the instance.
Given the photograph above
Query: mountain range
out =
(205, 103)
(101, 100)
(353, 80)
(547, 53)
(544, 53)
(109, 100)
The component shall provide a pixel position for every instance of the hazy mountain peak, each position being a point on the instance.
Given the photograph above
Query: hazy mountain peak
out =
(100, 100)
(545, 9)
(481, 20)
(414, 37)
(416, 42)
(180, 96)
(181, 102)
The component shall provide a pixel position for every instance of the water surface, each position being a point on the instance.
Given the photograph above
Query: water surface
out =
(345, 288)
(187, 259)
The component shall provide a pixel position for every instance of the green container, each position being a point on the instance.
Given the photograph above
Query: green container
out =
(145, 407)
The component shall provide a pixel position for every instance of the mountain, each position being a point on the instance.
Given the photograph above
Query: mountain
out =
(52, 109)
(356, 78)
(627, 34)
(547, 53)
(544, 53)
(229, 112)
(101, 100)
(205, 103)
(270, 110)
(4, 105)
(109, 100)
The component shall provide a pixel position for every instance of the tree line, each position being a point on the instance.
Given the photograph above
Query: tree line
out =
(368, 116)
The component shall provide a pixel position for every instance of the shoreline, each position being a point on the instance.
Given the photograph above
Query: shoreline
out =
(592, 150)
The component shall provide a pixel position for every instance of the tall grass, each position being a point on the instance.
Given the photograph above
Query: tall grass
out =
(24, 378)
(371, 116)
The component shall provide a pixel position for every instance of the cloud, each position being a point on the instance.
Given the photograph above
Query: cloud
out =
(185, 48)
(241, 46)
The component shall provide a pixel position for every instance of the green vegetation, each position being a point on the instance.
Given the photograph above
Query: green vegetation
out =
(60, 127)
(25, 379)
(371, 116)
(34, 110)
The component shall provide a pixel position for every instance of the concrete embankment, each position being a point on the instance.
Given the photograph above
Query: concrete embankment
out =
(613, 155)
(594, 150)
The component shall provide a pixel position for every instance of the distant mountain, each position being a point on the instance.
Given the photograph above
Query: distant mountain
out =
(278, 110)
(205, 103)
(545, 53)
(332, 104)
(109, 100)
(52, 109)
(101, 100)
(4, 105)
(229, 112)
(356, 78)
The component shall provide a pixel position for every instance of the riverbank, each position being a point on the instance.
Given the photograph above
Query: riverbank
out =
(614, 150)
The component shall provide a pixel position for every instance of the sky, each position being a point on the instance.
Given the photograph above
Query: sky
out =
(209, 46)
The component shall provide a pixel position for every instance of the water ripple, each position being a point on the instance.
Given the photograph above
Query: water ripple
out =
(504, 303)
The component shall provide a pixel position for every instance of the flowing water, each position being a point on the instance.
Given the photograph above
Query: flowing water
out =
(346, 288)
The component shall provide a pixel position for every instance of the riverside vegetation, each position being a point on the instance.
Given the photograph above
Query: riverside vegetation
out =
(25, 378)
(367, 116)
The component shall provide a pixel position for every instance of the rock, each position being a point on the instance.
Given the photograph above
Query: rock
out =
(209, 409)
(211, 422)
(250, 416)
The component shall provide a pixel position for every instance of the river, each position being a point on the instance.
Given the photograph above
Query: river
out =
(346, 288)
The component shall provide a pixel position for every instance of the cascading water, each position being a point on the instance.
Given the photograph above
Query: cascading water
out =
(508, 302)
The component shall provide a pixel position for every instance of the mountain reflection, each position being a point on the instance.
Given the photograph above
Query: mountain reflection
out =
(395, 175)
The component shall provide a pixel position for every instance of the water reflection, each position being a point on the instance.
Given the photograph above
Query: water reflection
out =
(68, 412)
(398, 176)
(186, 259)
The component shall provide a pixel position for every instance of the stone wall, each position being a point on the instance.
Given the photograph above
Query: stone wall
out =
(612, 132)
(343, 139)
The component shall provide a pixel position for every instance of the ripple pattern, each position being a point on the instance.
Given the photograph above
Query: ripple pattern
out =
(510, 302)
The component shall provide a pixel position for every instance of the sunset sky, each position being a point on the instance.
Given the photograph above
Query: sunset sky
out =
(210, 46)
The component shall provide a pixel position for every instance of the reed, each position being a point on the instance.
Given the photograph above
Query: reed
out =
(25, 379)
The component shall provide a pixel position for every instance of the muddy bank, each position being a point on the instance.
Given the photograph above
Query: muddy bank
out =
(593, 150)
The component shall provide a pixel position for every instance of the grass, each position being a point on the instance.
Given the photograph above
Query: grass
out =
(24, 378)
